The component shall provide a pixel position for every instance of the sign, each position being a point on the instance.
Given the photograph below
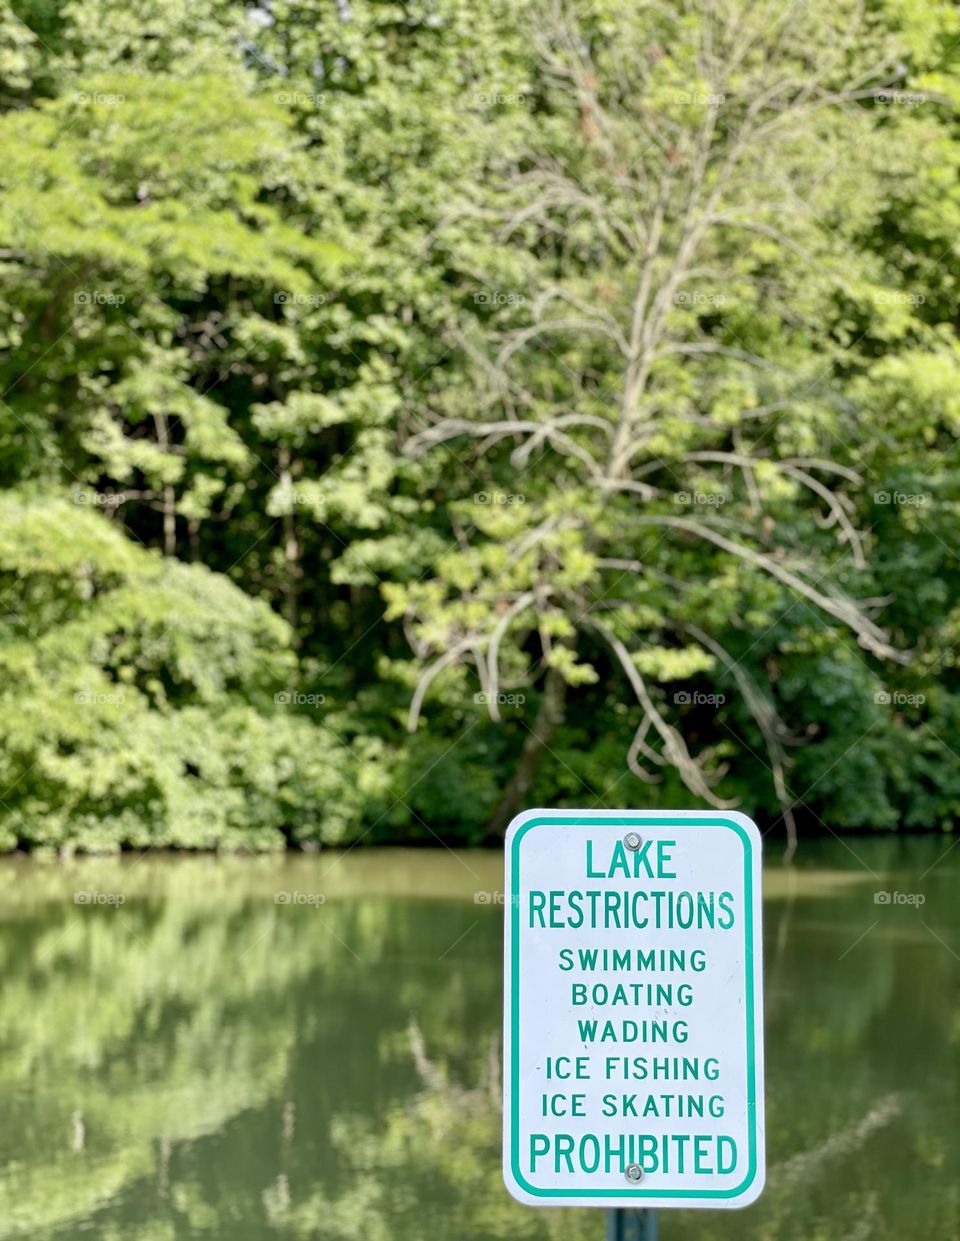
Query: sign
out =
(633, 1031)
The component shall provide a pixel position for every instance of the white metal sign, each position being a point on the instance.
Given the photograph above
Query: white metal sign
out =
(633, 1031)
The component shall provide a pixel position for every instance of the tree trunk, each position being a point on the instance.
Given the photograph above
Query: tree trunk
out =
(168, 504)
(169, 522)
(537, 743)
(291, 551)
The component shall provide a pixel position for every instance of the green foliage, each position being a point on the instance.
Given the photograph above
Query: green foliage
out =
(479, 376)
(145, 701)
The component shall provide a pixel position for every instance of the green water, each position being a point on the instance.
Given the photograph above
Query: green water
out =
(201, 1061)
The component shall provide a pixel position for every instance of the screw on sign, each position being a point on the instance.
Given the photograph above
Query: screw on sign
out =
(633, 1005)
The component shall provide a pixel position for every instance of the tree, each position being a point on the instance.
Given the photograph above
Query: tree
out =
(665, 403)
(540, 370)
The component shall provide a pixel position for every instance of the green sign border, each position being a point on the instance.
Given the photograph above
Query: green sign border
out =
(628, 820)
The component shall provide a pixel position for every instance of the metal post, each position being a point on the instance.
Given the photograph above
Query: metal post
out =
(631, 1225)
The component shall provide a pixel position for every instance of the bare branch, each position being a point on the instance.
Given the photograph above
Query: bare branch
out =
(674, 747)
(770, 725)
(493, 649)
(448, 658)
(839, 607)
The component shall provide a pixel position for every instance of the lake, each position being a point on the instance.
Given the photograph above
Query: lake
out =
(309, 1047)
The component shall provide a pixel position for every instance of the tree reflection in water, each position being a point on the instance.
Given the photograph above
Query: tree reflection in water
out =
(203, 1061)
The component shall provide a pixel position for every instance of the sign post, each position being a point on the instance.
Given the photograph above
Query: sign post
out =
(631, 1225)
(633, 1034)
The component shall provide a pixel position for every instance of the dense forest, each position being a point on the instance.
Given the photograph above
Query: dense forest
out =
(410, 412)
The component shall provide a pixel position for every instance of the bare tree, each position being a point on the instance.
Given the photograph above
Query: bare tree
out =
(700, 148)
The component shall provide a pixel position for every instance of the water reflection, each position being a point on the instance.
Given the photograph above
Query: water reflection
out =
(309, 1047)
